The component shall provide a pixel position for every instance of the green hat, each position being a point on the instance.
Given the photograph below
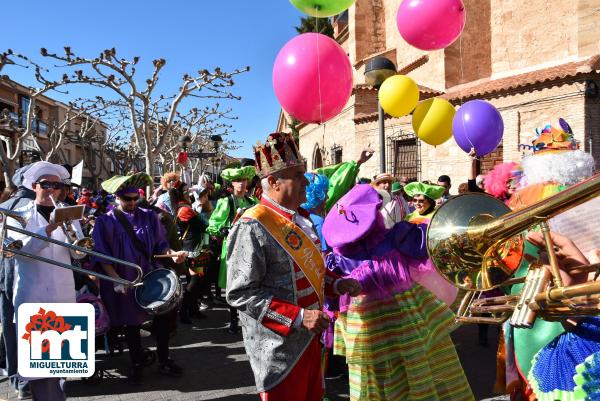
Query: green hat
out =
(418, 188)
(235, 174)
(396, 186)
(121, 182)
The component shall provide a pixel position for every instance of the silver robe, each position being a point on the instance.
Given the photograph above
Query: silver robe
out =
(259, 269)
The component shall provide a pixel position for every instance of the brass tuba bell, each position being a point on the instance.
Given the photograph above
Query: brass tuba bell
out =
(476, 242)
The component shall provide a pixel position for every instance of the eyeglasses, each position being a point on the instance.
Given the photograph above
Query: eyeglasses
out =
(419, 200)
(49, 184)
(129, 198)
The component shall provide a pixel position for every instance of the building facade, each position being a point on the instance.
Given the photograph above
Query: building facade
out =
(534, 60)
(14, 99)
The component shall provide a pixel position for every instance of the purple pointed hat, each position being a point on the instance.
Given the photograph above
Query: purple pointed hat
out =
(352, 216)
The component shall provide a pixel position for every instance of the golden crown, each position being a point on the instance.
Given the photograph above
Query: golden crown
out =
(279, 152)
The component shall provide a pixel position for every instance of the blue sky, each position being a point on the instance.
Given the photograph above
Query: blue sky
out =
(188, 34)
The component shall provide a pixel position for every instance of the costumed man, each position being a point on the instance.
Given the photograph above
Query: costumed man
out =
(424, 198)
(133, 234)
(7, 275)
(277, 279)
(556, 164)
(394, 207)
(395, 334)
(226, 211)
(37, 281)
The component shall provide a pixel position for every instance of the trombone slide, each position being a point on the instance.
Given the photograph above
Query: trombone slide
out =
(4, 228)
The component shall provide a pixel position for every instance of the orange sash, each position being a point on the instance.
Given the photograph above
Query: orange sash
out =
(295, 242)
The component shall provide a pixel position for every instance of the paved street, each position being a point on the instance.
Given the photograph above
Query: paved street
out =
(216, 368)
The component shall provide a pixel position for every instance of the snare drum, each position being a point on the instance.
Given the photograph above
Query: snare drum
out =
(159, 293)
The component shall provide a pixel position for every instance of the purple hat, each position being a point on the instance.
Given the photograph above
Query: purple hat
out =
(352, 216)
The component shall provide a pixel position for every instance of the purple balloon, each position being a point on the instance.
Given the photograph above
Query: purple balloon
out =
(478, 124)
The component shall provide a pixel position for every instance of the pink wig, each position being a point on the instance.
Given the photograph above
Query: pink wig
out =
(496, 180)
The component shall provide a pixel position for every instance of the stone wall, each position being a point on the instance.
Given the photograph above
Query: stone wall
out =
(588, 13)
(338, 131)
(526, 33)
(470, 58)
(368, 28)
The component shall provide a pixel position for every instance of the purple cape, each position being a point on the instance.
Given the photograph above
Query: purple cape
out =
(111, 238)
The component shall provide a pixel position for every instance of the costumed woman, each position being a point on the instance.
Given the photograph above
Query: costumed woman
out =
(424, 197)
(395, 334)
(502, 181)
(222, 218)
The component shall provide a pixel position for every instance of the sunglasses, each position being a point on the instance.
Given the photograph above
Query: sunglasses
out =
(129, 198)
(419, 200)
(49, 184)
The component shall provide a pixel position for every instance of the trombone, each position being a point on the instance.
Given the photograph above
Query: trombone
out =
(477, 243)
(8, 245)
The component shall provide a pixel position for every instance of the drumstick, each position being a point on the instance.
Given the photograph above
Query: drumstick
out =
(163, 256)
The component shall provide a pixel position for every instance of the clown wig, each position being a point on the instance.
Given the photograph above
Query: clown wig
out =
(496, 181)
(564, 168)
(316, 191)
(164, 181)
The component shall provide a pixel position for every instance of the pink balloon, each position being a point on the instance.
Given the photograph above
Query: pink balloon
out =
(431, 24)
(312, 78)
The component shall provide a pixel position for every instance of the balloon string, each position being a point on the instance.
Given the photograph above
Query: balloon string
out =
(318, 68)
(462, 80)
(462, 73)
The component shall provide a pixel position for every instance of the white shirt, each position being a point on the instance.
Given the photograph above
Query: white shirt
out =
(394, 211)
(37, 281)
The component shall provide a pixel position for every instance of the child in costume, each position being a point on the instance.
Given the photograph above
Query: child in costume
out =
(395, 334)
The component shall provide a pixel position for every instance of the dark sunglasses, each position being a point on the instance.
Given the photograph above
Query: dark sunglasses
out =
(130, 198)
(49, 184)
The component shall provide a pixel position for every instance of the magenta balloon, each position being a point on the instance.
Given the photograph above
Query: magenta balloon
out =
(477, 124)
(312, 78)
(431, 24)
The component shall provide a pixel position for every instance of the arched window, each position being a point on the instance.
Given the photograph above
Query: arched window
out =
(317, 160)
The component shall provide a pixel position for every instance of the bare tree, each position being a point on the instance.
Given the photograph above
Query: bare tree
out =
(14, 133)
(199, 125)
(152, 117)
(58, 130)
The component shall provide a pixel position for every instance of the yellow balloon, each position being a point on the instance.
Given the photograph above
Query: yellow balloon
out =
(398, 95)
(432, 121)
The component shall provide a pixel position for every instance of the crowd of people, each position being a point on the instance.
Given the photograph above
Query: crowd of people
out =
(325, 272)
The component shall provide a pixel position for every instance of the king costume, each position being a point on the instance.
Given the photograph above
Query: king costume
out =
(275, 270)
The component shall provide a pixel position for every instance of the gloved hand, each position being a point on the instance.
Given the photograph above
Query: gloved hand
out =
(120, 289)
